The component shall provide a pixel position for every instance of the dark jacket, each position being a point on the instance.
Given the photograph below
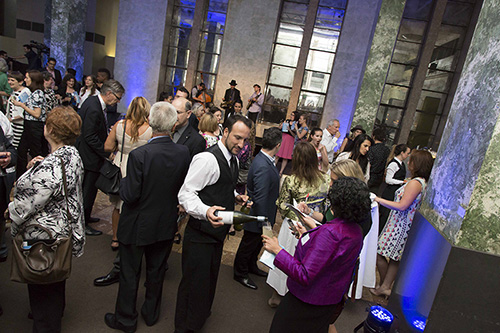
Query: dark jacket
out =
(90, 143)
(193, 140)
(237, 96)
(155, 174)
(263, 188)
(8, 148)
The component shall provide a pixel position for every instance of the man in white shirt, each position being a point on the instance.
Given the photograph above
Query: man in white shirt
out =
(208, 187)
(330, 136)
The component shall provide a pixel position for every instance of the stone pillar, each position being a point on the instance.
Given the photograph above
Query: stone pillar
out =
(139, 47)
(350, 60)
(460, 216)
(65, 33)
(378, 63)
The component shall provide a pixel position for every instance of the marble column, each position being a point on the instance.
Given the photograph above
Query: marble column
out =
(139, 47)
(378, 63)
(352, 53)
(65, 33)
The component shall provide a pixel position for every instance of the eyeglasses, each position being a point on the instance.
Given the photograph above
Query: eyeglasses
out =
(118, 98)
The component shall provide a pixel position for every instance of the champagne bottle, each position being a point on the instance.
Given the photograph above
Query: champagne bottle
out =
(245, 209)
(235, 217)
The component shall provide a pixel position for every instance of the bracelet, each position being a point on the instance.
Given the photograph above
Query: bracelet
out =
(311, 212)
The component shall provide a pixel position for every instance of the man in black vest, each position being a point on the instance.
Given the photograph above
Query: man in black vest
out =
(208, 187)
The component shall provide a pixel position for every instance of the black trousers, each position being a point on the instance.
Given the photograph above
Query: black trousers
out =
(32, 142)
(247, 254)
(89, 192)
(200, 271)
(253, 116)
(47, 303)
(130, 274)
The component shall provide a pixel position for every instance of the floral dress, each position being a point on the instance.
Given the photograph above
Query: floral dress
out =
(392, 241)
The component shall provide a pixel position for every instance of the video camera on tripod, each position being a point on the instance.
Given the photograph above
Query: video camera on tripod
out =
(40, 47)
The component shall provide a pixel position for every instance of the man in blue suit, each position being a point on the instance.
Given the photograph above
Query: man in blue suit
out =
(263, 189)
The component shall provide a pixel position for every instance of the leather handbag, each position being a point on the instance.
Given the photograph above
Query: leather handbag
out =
(110, 174)
(42, 261)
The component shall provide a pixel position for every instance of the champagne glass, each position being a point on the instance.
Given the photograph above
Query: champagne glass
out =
(267, 229)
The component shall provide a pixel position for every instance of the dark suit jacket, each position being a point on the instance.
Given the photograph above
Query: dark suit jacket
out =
(193, 140)
(237, 96)
(90, 143)
(155, 174)
(8, 148)
(263, 188)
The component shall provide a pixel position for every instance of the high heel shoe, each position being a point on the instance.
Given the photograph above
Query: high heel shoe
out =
(384, 293)
(115, 245)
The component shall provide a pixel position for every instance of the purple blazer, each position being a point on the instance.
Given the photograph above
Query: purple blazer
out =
(322, 268)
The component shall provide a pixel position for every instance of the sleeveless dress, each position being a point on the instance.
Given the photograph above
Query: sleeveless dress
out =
(128, 147)
(287, 143)
(392, 241)
(320, 157)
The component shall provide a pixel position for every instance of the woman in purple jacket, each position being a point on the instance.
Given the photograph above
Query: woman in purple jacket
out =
(322, 268)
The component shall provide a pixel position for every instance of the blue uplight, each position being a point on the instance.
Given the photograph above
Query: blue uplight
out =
(381, 314)
(419, 324)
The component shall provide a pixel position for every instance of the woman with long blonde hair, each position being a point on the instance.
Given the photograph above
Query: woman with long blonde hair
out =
(133, 131)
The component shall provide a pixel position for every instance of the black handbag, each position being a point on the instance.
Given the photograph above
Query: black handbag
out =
(110, 174)
(42, 261)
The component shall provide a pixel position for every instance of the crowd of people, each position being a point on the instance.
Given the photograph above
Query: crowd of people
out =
(182, 160)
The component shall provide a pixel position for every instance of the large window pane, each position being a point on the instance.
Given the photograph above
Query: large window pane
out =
(437, 80)
(431, 102)
(290, 34)
(215, 22)
(329, 18)
(218, 6)
(400, 74)
(418, 9)
(425, 123)
(186, 3)
(406, 53)
(389, 116)
(183, 17)
(178, 57)
(294, 13)
(282, 76)
(412, 31)
(333, 3)
(457, 13)
(315, 81)
(320, 61)
(326, 40)
(394, 95)
(176, 75)
(180, 37)
(311, 102)
(208, 62)
(421, 140)
(277, 95)
(286, 55)
(211, 43)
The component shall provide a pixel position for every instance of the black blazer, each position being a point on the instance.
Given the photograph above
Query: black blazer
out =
(90, 143)
(155, 174)
(8, 148)
(263, 186)
(237, 96)
(193, 140)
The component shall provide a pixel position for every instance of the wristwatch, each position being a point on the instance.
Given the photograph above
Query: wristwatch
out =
(311, 212)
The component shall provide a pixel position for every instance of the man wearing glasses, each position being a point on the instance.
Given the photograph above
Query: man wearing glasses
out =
(90, 143)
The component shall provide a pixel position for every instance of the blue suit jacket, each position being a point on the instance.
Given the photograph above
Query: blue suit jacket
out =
(263, 185)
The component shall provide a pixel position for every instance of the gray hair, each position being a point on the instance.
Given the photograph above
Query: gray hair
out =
(330, 123)
(162, 117)
(196, 108)
(112, 85)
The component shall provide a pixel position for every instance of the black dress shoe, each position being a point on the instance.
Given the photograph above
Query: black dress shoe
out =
(94, 219)
(89, 231)
(110, 320)
(258, 272)
(246, 281)
(107, 280)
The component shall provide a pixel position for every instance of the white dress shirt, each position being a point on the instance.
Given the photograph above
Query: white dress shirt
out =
(392, 168)
(330, 143)
(203, 171)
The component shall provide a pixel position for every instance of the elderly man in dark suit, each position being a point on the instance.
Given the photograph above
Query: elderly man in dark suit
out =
(149, 218)
(90, 143)
(263, 188)
(185, 134)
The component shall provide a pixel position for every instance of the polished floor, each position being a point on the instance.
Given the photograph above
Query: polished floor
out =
(236, 308)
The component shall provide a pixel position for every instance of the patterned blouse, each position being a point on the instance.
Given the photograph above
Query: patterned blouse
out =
(39, 199)
(36, 100)
(51, 101)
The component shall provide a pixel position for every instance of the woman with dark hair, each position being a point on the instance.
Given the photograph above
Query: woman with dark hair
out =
(32, 139)
(315, 139)
(288, 138)
(69, 96)
(89, 89)
(307, 183)
(320, 271)
(359, 153)
(348, 143)
(41, 198)
(395, 175)
(51, 100)
(392, 241)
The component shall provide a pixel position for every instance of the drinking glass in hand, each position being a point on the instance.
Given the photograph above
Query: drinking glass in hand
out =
(267, 229)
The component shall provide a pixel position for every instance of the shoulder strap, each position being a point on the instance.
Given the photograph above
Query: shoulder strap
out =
(65, 186)
(123, 139)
